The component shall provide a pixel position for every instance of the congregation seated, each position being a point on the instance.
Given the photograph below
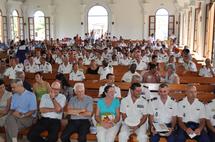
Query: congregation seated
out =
(10, 72)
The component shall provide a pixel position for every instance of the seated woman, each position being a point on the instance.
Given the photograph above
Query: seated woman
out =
(171, 77)
(93, 67)
(40, 87)
(5, 99)
(107, 116)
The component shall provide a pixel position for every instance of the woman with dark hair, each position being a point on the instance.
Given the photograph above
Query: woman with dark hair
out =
(40, 87)
(107, 115)
(66, 88)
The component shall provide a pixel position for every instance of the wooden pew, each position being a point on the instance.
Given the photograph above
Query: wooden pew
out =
(200, 80)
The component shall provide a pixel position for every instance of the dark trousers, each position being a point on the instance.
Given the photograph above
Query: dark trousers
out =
(211, 135)
(182, 135)
(80, 126)
(170, 138)
(45, 124)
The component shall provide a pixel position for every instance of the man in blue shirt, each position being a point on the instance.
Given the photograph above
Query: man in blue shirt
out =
(22, 110)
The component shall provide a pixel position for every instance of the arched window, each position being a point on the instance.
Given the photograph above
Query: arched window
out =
(39, 25)
(15, 25)
(162, 17)
(1, 27)
(97, 21)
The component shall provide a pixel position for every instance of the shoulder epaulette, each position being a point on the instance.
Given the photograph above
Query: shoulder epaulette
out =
(143, 97)
(153, 99)
(146, 86)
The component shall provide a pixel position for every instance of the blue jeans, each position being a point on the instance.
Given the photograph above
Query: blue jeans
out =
(182, 135)
(211, 135)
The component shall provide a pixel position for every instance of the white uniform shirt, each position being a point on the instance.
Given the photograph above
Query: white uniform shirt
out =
(141, 66)
(31, 68)
(65, 69)
(104, 71)
(191, 112)
(46, 68)
(206, 72)
(125, 62)
(78, 76)
(46, 102)
(134, 110)
(37, 60)
(127, 77)
(58, 60)
(162, 113)
(117, 90)
(210, 112)
(190, 66)
(11, 72)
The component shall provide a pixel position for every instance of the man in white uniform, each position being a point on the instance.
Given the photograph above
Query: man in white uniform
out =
(163, 110)
(134, 115)
(65, 67)
(110, 81)
(210, 120)
(191, 117)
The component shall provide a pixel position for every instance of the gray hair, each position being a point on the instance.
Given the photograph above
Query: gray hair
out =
(78, 85)
(136, 78)
(19, 82)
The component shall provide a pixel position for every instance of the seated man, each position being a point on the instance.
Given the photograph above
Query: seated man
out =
(104, 69)
(110, 79)
(51, 108)
(191, 117)
(80, 107)
(22, 110)
(210, 113)
(76, 74)
(128, 75)
(208, 70)
(163, 110)
(134, 115)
